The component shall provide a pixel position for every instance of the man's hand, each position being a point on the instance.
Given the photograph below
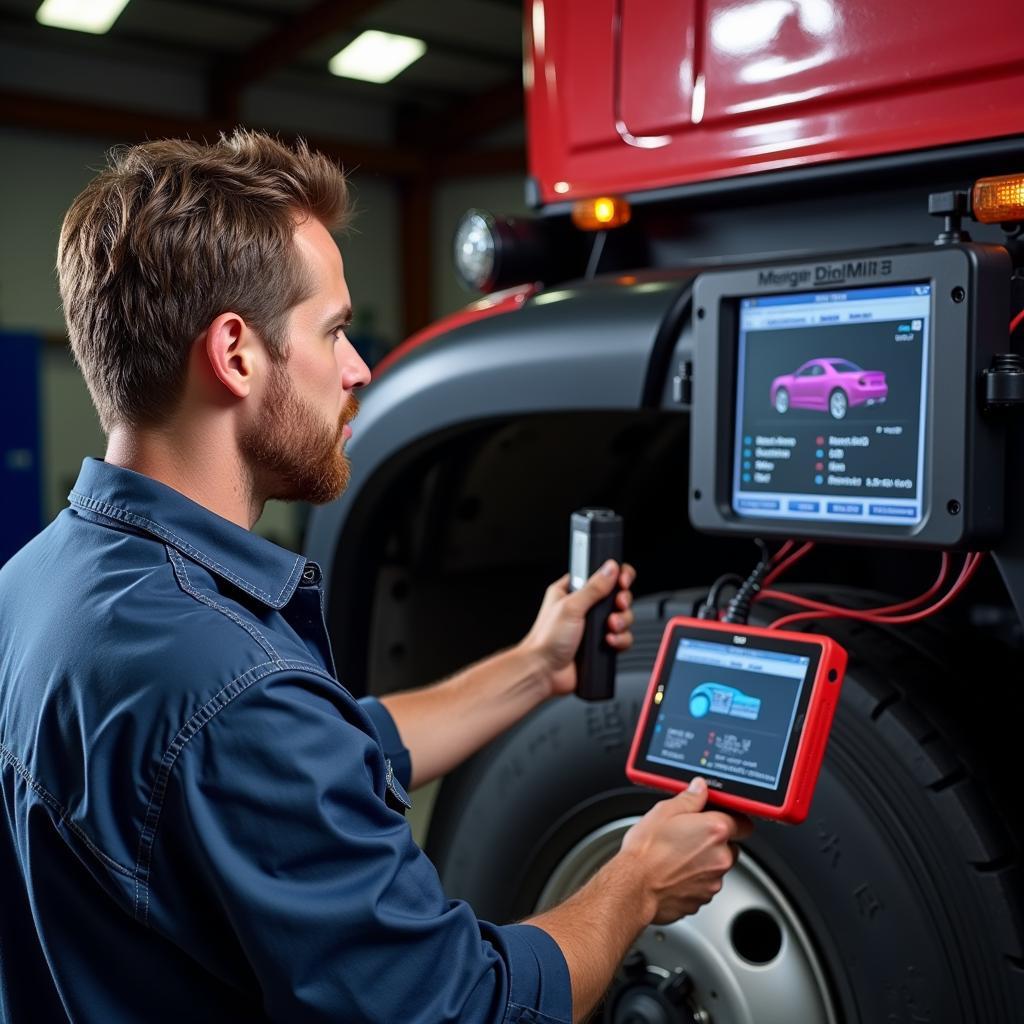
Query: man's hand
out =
(682, 855)
(671, 863)
(558, 629)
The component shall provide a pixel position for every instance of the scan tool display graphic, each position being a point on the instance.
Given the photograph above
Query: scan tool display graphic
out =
(735, 725)
(835, 385)
(723, 700)
(830, 399)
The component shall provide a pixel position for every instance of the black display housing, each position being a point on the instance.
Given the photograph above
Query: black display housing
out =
(962, 483)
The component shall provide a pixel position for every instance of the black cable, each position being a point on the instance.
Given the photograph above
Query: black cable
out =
(709, 606)
(738, 609)
(596, 252)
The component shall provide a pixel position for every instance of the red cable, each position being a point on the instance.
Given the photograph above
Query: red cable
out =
(1017, 321)
(889, 609)
(969, 568)
(782, 552)
(786, 564)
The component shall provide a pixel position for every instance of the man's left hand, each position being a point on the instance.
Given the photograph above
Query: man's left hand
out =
(558, 629)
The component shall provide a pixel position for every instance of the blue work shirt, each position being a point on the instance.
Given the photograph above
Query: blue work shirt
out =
(199, 822)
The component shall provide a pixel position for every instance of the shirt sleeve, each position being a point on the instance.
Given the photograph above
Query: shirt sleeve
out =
(275, 822)
(390, 740)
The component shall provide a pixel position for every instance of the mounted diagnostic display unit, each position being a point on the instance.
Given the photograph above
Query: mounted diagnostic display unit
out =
(841, 398)
(746, 708)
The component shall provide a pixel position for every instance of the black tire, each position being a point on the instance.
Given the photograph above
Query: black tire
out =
(905, 875)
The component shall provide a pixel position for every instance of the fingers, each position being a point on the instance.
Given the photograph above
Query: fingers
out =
(619, 622)
(624, 598)
(620, 641)
(690, 800)
(598, 586)
(609, 576)
(557, 590)
(619, 635)
(744, 826)
(727, 827)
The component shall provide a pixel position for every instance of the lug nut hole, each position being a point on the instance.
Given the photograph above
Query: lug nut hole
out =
(756, 936)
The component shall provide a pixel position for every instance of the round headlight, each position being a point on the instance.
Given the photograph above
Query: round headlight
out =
(475, 245)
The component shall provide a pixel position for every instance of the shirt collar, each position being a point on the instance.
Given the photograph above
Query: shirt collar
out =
(254, 564)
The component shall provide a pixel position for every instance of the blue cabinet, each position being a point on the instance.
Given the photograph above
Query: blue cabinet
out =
(20, 442)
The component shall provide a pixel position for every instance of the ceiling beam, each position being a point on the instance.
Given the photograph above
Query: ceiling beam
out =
(481, 162)
(463, 124)
(117, 124)
(121, 125)
(454, 131)
(281, 47)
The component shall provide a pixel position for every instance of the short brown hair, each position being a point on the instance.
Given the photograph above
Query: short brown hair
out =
(172, 234)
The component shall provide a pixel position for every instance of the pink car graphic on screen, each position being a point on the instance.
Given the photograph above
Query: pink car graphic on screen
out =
(834, 385)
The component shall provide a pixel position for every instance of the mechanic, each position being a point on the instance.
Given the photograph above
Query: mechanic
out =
(200, 822)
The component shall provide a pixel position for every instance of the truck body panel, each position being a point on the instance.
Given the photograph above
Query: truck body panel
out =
(633, 95)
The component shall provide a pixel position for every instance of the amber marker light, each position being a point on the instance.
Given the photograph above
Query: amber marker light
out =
(996, 200)
(601, 213)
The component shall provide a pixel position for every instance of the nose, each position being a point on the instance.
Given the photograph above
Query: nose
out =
(354, 372)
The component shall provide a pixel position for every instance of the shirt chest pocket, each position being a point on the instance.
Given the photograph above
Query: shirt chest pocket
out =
(395, 795)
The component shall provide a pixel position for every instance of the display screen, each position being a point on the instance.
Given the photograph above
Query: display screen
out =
(831, 405)
(730, 712)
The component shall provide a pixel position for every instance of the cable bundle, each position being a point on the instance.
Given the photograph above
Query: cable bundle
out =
(758, 587)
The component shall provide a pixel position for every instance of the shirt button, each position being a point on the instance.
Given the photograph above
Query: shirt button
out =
(311, 574)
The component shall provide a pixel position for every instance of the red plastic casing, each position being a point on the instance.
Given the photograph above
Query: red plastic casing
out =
(813, 738)
(628, 97)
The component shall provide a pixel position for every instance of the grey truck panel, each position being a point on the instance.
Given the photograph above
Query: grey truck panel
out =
(584, 347)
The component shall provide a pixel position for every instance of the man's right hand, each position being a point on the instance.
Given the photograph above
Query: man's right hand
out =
(679, 855)
(671, 863)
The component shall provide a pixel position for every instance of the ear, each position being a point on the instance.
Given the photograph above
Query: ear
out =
(232, 352)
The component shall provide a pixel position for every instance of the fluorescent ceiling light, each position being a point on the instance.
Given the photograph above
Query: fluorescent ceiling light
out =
(82, 15)
(376, 56)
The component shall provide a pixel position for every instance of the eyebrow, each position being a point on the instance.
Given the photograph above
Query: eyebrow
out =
(341, 318)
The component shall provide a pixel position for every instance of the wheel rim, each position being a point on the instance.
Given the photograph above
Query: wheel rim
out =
(747, 954)
(837, 405)
(781, 401)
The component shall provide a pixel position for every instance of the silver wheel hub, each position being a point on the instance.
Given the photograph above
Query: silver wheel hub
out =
(745, 958)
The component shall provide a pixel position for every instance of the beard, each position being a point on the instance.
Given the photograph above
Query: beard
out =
(294, 455)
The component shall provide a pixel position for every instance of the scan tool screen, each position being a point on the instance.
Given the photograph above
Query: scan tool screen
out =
(728, 713)
(831, 405)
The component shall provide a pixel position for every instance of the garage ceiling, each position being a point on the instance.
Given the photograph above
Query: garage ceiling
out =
(200, 65)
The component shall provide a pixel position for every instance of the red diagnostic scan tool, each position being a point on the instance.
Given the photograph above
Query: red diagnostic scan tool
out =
(746, 708)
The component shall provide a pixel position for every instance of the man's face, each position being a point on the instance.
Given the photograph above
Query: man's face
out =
(295, 446)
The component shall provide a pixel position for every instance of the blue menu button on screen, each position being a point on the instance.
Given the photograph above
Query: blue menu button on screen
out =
(758, 503)
(845, 508)
(803, 506)
(897, 511)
